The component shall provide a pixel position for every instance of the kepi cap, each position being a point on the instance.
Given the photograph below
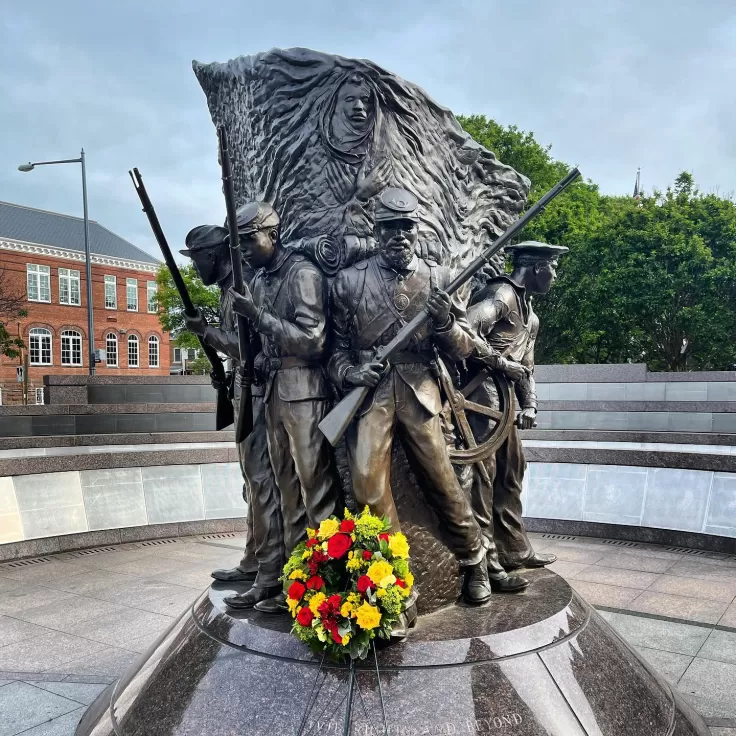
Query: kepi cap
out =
(202, 237)
(255, 216)
(396, 204)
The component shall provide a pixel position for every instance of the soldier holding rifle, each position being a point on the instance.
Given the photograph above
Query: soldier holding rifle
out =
(264, 548)
(369, 303)
(287, 309)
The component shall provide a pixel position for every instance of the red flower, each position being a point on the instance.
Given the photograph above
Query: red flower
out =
(319, 556)
(338, 545)
(347, 526)
(364, 583)
(297, 590)
(315, 582)
(399, 582)
(312, 542)
(335, 600)
(305, 616)
(367, 554)
(383, 537)
(336, 636)
(313, 566)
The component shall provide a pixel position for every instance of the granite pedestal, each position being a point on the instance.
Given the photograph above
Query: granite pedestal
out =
(536, 663)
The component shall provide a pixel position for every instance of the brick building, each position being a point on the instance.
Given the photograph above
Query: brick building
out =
(42, 255)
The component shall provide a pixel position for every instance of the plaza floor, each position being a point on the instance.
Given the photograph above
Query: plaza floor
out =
(72, 623)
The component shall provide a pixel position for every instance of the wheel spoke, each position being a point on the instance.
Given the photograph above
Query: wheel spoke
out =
(485, 410)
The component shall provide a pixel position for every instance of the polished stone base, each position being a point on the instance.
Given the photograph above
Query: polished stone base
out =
(536, 663)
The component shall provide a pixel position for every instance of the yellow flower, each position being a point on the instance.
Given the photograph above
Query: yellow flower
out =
(307, 554)
(367, 525)
(292, 604)
(381, 572)
(353, 564)
(316, 601)
(346, 639)
(398, 545)
(328, 528)
(409, 579)
(368, 616)
(311, 533)
(381, 592)
(354, 599)
(346, 609)
(298, 575)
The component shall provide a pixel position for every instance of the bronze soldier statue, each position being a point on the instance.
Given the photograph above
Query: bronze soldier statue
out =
(502, 314)
(264, 555)
(369, 303)
(287, 308)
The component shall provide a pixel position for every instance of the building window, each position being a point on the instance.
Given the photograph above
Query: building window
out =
(191, 354)
(131, 290)
(39, 396)
(111, 350)
(153, 352)
(111, 296)
(151, 297)
(39, 346)
(132, 351)
(177, 355)
(38, 279)
(71, 347)
(69, 292)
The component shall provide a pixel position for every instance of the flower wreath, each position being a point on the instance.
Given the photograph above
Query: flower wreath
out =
(346, 584)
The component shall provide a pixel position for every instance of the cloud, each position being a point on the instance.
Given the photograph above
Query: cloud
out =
(611, 86)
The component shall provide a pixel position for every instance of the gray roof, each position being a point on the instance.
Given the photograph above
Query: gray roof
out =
(62, 231)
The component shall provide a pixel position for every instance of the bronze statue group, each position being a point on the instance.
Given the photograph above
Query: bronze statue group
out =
(313, 343)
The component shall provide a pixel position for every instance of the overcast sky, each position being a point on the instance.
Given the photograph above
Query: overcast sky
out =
(611, 86)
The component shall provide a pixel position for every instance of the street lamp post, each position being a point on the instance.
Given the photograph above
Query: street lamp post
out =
(88, 257)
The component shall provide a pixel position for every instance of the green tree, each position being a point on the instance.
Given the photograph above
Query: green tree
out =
(655, 283)
(11, 307)
(649, 281)
(171, 314)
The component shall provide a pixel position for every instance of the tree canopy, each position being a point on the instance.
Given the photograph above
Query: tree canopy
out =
(11, 307)
(171, 314)
(651, 280)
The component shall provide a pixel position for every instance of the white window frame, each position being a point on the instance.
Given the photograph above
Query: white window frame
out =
(39, 333)
(71, 336)
(35, 274)
(151, 302)
(39, 395)
(71, 277)
(111, 281)
(131, 283)
(111, 337)
(177, 358)
(153, 340)
(136, 340)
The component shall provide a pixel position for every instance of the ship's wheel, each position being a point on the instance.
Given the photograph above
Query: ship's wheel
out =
(472, 449)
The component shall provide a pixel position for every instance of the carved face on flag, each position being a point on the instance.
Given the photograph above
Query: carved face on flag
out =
(320, 136)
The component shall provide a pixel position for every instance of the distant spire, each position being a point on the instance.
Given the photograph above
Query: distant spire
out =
(637, 185)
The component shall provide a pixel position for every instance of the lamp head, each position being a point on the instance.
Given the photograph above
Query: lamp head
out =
(26, 167)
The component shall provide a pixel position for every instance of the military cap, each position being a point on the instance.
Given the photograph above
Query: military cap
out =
(203, 236)
(536, 250)
(255, 216)
(396, 204)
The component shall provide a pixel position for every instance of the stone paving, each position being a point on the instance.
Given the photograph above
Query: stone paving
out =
(71, 624)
